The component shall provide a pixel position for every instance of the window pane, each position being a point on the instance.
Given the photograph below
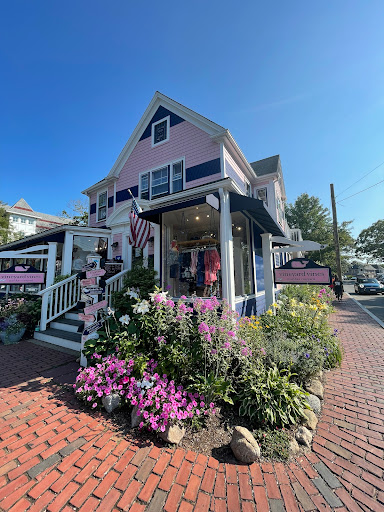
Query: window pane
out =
(160, 132)
(241, 254)
(144, 186)
(102, 213)
(103, 199)
(160, 181)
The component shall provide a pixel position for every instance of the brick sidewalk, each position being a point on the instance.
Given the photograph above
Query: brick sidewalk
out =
(56, 457)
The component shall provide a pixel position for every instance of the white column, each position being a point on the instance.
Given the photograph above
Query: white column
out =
(145, 256)
(66, 264)
(226, 242)
(51, 263)
(266, 239)
(156, 248)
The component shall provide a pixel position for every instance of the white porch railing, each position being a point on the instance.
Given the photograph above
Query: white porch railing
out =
(58, 299)
(114, 284)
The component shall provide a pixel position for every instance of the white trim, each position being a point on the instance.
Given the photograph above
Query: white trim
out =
(226, 137)
(98, 207)
(114, 196)
(168, 120)
(222, 161)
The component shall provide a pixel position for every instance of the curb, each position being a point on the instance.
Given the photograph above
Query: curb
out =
(367, 311)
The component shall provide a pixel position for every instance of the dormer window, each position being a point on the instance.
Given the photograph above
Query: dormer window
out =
(102, 206)
(160, 131)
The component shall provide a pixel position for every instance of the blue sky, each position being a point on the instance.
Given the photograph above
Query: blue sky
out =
(301, 79)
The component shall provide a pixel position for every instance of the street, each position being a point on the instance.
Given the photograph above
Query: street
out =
(374, 303)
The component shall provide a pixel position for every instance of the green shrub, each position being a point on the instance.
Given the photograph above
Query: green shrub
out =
(274, 444)
(139, 278)
(270, 397)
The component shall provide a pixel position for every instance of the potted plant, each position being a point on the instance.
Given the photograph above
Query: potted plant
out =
(12, 328)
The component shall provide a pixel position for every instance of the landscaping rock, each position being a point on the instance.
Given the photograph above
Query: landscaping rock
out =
(319, 375)
(310, 420)
(135, 418)
(244, 445)
(111, 402)
(173, 434)
(294, 447)
(303, 436)
(314, 403)
(316, 388)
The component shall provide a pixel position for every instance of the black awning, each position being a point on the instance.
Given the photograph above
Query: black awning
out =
(256, 209)
(155, 214)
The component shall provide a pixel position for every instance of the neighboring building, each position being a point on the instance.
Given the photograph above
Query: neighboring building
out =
(201, 194)
(23, 219)
(362, 271)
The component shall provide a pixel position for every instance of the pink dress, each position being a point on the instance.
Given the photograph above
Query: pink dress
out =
(212, 265)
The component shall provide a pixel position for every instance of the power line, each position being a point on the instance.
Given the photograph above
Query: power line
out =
(378, 183)
(365, 175)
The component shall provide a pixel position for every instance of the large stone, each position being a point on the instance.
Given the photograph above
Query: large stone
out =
(294, 447)
(172, 434)
(111, 402)
(303, 436)
(244, 445)
(316, 388)
(314, 403)
(135, 418)
(310, 420)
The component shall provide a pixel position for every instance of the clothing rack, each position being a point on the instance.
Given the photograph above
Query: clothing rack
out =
(197, 249)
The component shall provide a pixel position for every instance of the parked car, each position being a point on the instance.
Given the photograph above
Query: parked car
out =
(368, 285)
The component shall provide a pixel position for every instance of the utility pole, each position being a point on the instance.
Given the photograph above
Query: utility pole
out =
(335, 232)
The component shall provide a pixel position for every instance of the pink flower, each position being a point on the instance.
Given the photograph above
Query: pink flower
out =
(170, 304)
(203, 327)
(183, 297)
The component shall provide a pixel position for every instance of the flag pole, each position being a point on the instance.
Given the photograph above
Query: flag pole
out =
(129, 190)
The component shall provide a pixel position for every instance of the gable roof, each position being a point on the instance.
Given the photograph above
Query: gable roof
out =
(266, 166)
(22, 205)
(159, 107)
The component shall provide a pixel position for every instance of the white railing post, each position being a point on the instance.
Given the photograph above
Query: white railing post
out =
(51, 263)
(266, 240)
(44, 312)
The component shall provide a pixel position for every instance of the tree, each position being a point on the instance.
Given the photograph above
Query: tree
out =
(371, 241)
(315, 222)
(7, 233)
(78, 212)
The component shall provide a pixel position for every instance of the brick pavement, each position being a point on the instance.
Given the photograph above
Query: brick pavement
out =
(57, 457)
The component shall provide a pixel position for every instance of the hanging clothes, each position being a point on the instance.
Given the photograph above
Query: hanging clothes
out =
(194, 258)
(212, 265)
(200, 269)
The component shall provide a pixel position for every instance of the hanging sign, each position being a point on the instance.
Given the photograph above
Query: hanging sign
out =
(86, 318)
(93, 290)
(95, 273)
(88, 282)
(93, 327)
(89, 266)
(22, 274)
(95, 307)
(113, 268)
(302, 271)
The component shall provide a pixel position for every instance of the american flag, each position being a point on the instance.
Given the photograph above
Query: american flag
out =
(140, 229)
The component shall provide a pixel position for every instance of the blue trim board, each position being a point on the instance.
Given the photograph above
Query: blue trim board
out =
(124, 195)
(203, 170)
(92, 208)
(110, 202)
(161, 112)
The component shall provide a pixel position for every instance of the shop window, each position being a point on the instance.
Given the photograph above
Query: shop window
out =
(241, 254)
(102, 206)
(84, 246)
(160, 131)
(191, 252)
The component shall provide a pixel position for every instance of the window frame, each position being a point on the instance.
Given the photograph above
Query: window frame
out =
(105, 206)
(168, 122)
(266, 194)
(150, 172)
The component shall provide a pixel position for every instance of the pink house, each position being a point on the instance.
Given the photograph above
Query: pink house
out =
(206, 203)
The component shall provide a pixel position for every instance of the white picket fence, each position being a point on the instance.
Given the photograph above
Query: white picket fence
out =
(63, 296)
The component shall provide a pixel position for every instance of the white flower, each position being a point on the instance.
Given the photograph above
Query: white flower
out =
(110, 311)
(141, 307)
(125, 319)
(131, 293)
(162, 296)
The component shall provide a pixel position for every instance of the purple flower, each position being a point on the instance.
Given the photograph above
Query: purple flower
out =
(307, 355)
(213, 351)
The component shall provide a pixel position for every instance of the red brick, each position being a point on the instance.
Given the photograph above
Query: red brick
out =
(213, 463)
(53, 449)
(41, 504)
(129, 495)
(12, 498)
(256, 474)
(8, 467)
(167, 479)
(271, 485)
(192, 488)
(348, 501)
(185, 507)
(149, 488)
(122, 447)
(20, 506)
(62, 498)
(231, 474)
(86, 457)
(155, 452)
(233, 498)
(106, 450)
(248, 506)
(191, 456)
(140, 455)
(177, 458)
(125, 477)
(260, 498)
(66, 477)
(124, 461)
(84, 492)
(202, 503)
(173, 500)
(245, 487)
(208, 480)
(44, 484)
(90, 505)
(267, 467)
(219, 505)
(305, 482)
(106, 484)
(13, 486)
(184, 472)
(220, 486)
(289, 498)
(14, 473)
(70, 460)
(107, 504)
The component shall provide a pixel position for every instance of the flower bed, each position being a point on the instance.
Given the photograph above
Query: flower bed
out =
(179, 362)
